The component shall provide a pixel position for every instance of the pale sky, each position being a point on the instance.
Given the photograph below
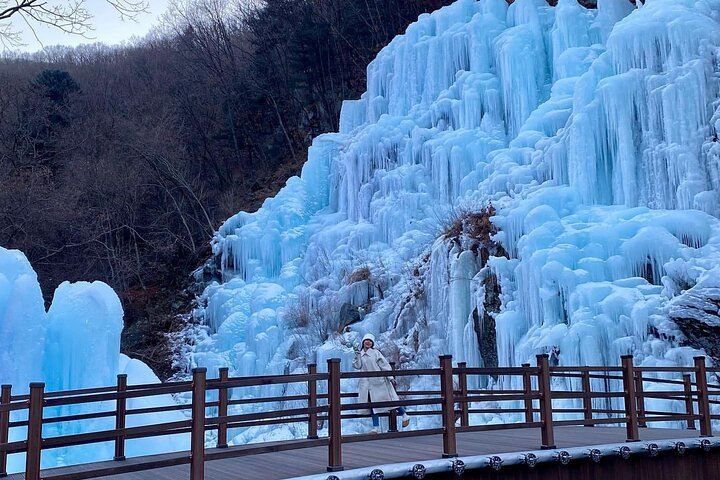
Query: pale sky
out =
(109, 29)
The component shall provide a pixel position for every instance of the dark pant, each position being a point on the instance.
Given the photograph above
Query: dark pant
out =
(376, 418)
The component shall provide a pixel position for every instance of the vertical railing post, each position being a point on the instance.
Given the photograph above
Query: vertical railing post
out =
(223, 400)
(464, 405)
(5, 398)
(639, 392)
(34, 432)
(628, 371)
(687, 384)
(120, 415)
(448, 407)
(334, 416)
(312, 402)
(197, 436)
(392, 414)
(546, 417)
(703, 398)
(527, 393)
(587, 397)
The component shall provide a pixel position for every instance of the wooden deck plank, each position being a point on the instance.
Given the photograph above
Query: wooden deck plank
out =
(275, 465)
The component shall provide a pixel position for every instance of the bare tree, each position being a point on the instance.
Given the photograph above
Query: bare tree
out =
(69, 16)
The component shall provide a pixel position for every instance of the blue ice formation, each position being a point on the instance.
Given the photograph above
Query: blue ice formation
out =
(74, 345)
(593, 133)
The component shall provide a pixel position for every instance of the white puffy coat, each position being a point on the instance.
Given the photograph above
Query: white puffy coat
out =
(380, 389)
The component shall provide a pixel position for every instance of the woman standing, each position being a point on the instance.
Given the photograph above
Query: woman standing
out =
(376, 389)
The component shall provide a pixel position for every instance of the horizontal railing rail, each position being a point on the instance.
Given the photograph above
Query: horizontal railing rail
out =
(540, 396)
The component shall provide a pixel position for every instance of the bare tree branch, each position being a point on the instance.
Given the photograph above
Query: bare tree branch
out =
(69, 16)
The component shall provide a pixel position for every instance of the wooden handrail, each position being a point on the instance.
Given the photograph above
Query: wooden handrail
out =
(454, 398)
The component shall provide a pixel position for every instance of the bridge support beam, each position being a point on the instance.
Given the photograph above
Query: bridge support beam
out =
(448, 407)
(197, 436)
(334, 417)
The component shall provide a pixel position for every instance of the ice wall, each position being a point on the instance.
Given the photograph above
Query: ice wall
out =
(22, 321)
(82, 342)
(74, 345)
(592, 132)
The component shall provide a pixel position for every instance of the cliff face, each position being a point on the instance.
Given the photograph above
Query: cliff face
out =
(696, 312)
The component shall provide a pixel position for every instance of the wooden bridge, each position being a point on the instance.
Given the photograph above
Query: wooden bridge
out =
(548, 414)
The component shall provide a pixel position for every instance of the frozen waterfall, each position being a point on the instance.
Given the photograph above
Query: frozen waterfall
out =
(593, 135)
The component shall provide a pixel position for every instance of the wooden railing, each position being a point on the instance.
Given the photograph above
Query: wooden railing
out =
(453, 401)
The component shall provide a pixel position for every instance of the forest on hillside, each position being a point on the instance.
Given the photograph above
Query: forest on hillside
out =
(118, 163)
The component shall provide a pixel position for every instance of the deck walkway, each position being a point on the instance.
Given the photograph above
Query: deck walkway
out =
(313, 460)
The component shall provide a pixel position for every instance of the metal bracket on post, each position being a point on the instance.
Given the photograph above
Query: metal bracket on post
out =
(448, 407)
